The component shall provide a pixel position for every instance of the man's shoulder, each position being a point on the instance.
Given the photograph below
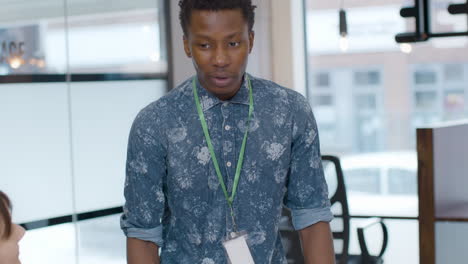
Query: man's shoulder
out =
(172, 99)
(270, 89)
(176, 96)
(159, 111)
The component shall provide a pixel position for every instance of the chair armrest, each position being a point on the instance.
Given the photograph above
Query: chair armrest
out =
(362, 241)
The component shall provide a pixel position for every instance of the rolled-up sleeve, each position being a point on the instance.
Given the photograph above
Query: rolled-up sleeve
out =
(307, 191)
(145, 172)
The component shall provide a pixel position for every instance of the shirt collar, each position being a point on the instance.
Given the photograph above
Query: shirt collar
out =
(209, 100)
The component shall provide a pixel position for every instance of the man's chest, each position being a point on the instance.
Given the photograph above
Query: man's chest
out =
(190, 168)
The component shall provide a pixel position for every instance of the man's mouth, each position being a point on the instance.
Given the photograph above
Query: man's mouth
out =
(221, 81)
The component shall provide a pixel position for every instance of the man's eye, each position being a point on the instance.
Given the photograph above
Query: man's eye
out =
(204, 46)
(234, 44)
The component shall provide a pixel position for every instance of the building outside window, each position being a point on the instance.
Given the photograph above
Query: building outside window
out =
(369, 99)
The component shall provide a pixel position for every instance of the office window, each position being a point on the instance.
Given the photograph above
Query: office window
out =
(425, 100)
(381, 94)
(440, 101)
(322, 80)
(425, 77)
(323, 100)
(73, 76)
(366, 78)
(453, 72)
(366, 102)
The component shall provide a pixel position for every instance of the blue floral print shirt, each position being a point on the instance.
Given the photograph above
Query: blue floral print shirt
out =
(173, 196)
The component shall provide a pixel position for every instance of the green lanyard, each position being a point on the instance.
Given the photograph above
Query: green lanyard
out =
(229, 199)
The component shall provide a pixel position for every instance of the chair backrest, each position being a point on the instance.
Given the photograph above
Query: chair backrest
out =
(290, 238)
(340, 197)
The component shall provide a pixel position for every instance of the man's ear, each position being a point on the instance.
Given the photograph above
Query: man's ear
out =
(187, 47)
(251, 40)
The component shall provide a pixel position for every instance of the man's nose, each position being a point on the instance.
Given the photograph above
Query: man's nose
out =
(221, 58)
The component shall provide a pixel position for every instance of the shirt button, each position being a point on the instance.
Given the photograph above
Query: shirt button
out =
(229, 164)
(225, 104)
(227, 127)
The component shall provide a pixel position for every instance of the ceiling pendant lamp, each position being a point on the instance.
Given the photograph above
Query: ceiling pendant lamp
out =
(343, 27)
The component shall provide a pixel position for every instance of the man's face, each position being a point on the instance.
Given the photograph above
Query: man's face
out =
(219, 43)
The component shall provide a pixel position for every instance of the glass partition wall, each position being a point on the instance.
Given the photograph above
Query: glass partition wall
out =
(369, 94)
(73, 75)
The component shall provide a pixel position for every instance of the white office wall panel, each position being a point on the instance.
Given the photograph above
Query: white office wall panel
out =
(102, 114)
(35, 150)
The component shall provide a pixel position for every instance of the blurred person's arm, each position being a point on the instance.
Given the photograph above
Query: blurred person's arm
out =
(317, 244)
(142, 252)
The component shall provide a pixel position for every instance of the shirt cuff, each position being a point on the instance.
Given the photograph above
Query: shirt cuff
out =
(152, 235)
(302, 218)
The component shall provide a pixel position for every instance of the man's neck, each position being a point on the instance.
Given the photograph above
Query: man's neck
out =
(225, 97)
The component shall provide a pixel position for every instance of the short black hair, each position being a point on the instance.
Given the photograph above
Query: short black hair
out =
(186, 7)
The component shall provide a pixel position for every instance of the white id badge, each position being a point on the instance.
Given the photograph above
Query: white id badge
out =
(237, 250)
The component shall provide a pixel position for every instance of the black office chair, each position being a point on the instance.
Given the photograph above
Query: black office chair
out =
(290, 237)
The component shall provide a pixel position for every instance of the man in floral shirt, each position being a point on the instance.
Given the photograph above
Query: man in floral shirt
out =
(215, 160)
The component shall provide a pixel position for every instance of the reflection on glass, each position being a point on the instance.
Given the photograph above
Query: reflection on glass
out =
(124, 41)
(125, 37)
(24, 48)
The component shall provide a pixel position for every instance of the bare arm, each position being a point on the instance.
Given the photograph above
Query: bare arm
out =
(141, 252)
(317, 244)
